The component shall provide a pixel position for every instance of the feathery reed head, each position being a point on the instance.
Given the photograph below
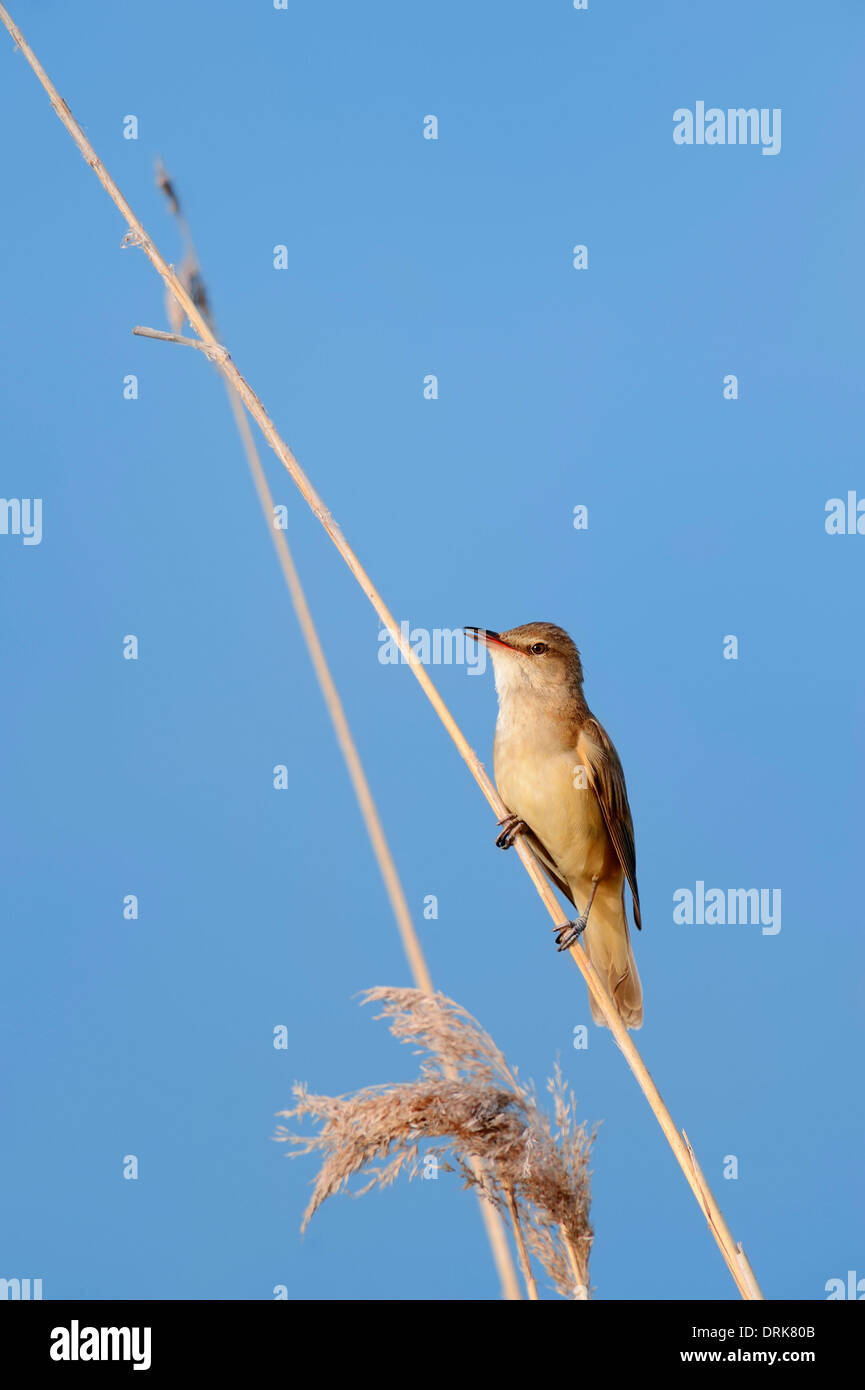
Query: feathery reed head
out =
(467, 1098)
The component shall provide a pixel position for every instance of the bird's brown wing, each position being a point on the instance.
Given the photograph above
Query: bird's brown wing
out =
(598, 756)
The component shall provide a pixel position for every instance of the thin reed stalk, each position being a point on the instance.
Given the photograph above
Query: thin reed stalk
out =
(525, 1264)
(192, 277)
(742, 1275)
(493, 1224)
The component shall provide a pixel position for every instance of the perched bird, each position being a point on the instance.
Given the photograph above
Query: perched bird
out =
(558, 772)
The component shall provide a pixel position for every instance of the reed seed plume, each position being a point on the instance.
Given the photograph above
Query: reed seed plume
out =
(466, 1105)
(163, 182)
(189, 271)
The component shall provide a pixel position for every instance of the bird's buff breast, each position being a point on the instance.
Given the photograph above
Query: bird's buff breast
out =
(542, 783)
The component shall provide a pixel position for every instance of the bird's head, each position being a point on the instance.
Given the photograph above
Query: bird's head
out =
(538, 657)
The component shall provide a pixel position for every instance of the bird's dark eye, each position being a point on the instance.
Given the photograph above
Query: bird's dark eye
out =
(538, 647)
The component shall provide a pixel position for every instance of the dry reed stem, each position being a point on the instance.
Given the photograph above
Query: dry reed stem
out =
(522, 1252)
(493, 1224)
(580, 1272)
(192, 277)
(706, 1200)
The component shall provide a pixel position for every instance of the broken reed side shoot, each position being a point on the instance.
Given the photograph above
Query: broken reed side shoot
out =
(733, 1254)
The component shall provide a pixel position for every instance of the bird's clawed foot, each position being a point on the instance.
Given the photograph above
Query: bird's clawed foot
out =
(512, 826)
(569, 933)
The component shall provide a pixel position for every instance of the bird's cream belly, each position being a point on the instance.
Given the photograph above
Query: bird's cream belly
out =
(545, 790)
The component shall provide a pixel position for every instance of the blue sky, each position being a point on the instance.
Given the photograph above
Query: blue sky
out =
(557, 387)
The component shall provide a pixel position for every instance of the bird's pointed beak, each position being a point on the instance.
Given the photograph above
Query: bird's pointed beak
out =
(490, 639)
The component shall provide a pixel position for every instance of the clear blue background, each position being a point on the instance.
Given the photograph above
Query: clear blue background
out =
(603, 387)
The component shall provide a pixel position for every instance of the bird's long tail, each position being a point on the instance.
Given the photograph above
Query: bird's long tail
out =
(609, 946)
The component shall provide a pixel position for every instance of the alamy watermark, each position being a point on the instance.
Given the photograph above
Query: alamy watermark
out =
(735, 126)
(20, 1289)
(77, 1343)
(21, 516)
(729, 906)
(845, 516)
(438, 646)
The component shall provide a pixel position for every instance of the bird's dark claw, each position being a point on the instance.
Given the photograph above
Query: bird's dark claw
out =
(569, 933)
(512, 826)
